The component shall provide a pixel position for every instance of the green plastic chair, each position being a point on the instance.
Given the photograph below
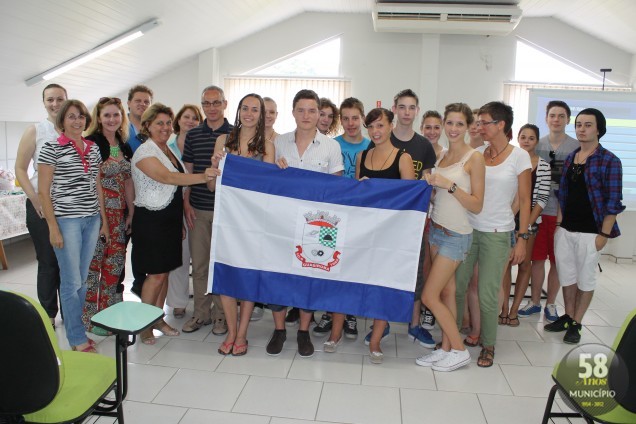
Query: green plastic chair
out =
(42, 383)
(625, 412)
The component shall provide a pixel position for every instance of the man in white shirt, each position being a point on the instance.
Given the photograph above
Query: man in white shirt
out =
(304, 148)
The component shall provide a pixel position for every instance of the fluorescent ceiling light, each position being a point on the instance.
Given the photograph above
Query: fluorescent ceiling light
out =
(89, 55)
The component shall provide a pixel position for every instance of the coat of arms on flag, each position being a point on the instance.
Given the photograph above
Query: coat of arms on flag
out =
(318, 246)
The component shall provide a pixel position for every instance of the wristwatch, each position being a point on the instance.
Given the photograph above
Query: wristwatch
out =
(452, 188)
(524, 236)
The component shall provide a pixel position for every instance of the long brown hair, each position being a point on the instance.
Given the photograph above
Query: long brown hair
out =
(257, 143)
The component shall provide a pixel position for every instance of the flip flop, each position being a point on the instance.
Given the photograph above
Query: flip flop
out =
(238, 346)
(513, 322)
(226, 348)
(471, 341)
(166, 330)
(503, 320)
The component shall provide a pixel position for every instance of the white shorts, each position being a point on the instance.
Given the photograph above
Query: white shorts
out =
(576, 258)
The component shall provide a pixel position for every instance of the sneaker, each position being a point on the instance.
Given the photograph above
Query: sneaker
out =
(276, 342)
(429, 359)
(452, 360)
(194, 324)
(550, 312)
(560, 324)
(376, 357)
(324, 326)
(330, 346)
(427, 320)
(529, 309)
(257, 313)
(424, 337)
(220, 327)
(573, 334)
(351, 327)
(305, 346)
(292, 318)
(385, 334)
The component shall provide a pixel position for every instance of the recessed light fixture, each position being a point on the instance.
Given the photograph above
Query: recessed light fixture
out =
(91, 54)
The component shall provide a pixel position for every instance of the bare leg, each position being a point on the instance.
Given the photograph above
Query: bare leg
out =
(337, 324)
(538, 275)
(231, 317)
(504, 293)
(241, 337)
(305, 320)
(583, 300)
(553, 284)
(279, 319)
(473, 304)
(376, 335)
(523, 279)
(569, 298)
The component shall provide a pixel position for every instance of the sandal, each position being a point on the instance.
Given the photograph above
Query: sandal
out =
(239, 347)
(88, 349)
(148, 337)
(471, 341)
(503, 320)
(513, 322)
(486, 357)
(179, 312)
(227, 348)
(166, 330)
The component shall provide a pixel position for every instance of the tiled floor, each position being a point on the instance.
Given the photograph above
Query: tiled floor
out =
(184, 380)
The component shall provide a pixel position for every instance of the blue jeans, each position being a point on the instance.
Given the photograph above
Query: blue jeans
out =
(80, 237)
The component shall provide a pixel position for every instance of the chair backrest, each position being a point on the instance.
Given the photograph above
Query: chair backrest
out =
(30, 361)
(625, 347)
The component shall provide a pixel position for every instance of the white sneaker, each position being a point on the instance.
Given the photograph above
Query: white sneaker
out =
(453, 360)
(429, 359)
(330, 346)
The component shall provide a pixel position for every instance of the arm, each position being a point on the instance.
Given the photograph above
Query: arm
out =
(45, 179)
(187, 208)
(103, 232)
(358, 162)
(407, 172)
(26, 149)
(129, 194)
(270, 152)
(217, 155)
(153, 168)
(519, 252)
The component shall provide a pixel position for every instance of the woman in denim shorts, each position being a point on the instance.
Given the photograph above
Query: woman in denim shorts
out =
(458, 179)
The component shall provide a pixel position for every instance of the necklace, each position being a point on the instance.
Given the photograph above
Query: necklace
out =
(385, 160)
(582, 161)
(490, 148)
(114, 151)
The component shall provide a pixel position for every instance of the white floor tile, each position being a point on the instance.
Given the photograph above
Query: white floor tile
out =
(473, 379)
(199, 416)
(280, 398)
(545, 354)
(188, 354)
(398, 372)
(331, 367)
(146, 381)
(425, 406)
(614, 317)
(276, 420)
(605, 334)
(202, 389)
(528, 381)
(257, 362)
(359, 404)
(149, 413)
(509, 409)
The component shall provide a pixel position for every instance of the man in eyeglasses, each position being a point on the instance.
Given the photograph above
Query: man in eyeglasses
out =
(553, 148)
(198, 207)
(590, 196)
(139, 99)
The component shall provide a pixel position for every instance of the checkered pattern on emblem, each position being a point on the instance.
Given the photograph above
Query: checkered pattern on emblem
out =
(328, 236)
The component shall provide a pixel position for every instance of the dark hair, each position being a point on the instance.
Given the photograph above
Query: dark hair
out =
(558, 103)
(59, 119)
(352, 103)
(324, 103)
(306, 95)
(54, 86)
(193, 108)
(256, 144)
(431, 114)
(531, 127)
(376, 114)
(499, 111)
(601, 123)
(139, 89)
(406, 93)
(462, 108)
(151, 114)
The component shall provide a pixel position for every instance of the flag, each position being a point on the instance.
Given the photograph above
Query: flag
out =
(317, 241)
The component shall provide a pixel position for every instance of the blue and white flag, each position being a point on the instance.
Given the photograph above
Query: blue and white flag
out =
(317, 241)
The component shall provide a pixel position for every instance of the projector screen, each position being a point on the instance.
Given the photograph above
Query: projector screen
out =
(619, 109)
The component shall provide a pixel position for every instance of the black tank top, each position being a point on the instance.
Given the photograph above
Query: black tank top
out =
(392, 172)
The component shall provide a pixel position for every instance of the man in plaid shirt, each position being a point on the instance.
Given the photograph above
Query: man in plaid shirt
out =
(590, 195)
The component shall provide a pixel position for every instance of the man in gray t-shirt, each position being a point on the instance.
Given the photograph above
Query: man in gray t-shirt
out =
(554, 149)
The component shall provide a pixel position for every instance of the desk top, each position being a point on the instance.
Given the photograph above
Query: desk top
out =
(127, 317)
(12, 215)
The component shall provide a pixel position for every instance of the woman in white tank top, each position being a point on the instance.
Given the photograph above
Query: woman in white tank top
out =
(458, 179)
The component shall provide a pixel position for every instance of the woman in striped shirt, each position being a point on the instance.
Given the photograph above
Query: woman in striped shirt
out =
(72, 202)
(528, 139)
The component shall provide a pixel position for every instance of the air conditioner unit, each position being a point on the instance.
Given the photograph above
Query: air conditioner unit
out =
(446, 18)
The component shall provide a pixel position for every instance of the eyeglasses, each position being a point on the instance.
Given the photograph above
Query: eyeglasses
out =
(216, 103)
(115, 100)
(484, 123)
(73, 117)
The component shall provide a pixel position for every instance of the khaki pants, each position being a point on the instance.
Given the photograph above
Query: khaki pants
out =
(200, 238)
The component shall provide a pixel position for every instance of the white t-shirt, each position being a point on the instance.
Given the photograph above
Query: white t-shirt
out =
(322, 155)
(501, 187)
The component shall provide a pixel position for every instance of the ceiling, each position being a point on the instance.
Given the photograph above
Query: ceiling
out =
(36, 35)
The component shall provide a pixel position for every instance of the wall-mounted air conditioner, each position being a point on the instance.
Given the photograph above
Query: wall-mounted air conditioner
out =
(446, 18)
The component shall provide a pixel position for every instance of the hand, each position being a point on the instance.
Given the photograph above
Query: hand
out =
(211, 173)
(189, 214)
(216, 159)
(438, 181)
(363, 178)
(184, 232)
(600, 242)
(518, 253)
(128, 224)
(38, 207)
(282, 163)
(104, 233)
(56, 239)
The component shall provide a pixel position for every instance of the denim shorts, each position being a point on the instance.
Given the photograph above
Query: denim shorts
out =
(450, 244)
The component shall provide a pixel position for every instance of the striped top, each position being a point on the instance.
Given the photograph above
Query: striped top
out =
(74, 186)
(541, 191)
(197, 150)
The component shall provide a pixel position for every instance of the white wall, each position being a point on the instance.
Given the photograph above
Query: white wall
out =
(10, 134)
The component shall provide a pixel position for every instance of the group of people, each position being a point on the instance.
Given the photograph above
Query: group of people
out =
(107, 176)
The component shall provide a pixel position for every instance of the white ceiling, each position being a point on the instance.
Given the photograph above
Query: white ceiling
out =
(36, 35)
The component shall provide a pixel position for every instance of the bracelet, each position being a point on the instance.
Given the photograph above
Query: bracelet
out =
(604, 234)
(558, 224)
